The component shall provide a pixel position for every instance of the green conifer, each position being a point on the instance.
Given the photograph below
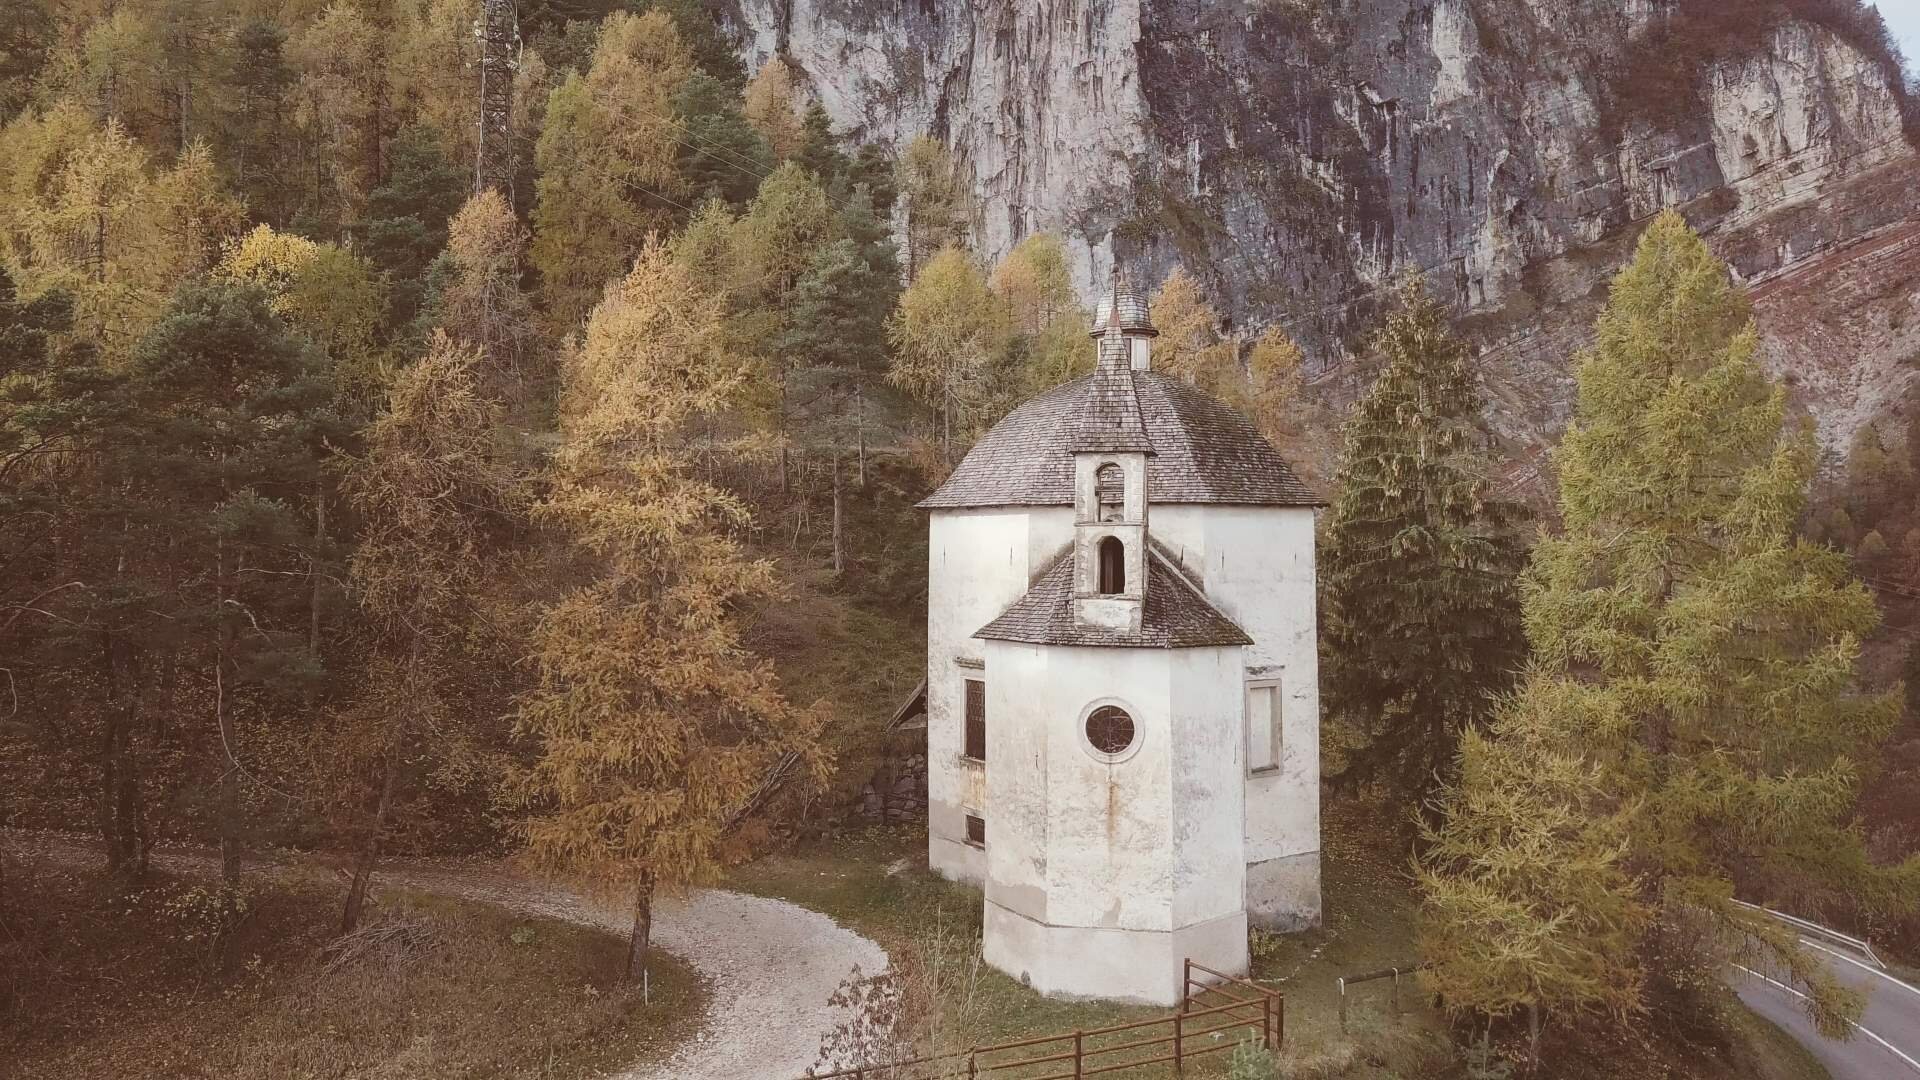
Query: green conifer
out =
(1421, 614)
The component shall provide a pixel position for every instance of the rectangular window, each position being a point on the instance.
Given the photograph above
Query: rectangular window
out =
(1263, 727)
(976, 830)
(976, 720)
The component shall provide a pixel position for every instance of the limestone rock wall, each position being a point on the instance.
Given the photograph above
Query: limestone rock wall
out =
(1298, 154)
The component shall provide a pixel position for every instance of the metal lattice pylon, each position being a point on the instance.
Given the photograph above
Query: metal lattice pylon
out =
(499, 32)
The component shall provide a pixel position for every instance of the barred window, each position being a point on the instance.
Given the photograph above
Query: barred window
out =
(976, 830)
(976, 720)
(1110, 730)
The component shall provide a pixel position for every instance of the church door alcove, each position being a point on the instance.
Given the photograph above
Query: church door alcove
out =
(1113, 566)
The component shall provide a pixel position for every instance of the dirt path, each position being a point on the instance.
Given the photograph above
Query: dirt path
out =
(770, 965)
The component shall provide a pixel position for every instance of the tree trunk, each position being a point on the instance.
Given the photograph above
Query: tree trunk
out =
(839, 535)
(860, 427)
(1533, 1036)
(313, 563)
(223, 721)
(363, 864)
(642, 938)
(119, 779)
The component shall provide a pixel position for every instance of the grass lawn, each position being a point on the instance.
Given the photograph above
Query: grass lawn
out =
(95, 983)
(875, 880)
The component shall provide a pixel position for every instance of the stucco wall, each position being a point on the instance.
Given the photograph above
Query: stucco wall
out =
(1257, 566)
(979, 563)
(1125, 855)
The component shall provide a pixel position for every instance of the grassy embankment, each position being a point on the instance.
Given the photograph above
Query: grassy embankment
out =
(107, 983)
(875, 880)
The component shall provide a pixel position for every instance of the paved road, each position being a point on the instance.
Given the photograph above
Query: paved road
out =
(1886, 1042)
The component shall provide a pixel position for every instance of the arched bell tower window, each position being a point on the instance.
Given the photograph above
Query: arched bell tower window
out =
(1110, 490)
(1113, 566)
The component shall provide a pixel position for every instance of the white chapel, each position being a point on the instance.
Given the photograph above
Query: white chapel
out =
(1122, 685)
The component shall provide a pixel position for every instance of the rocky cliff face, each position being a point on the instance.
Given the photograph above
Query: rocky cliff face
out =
(1298, 154)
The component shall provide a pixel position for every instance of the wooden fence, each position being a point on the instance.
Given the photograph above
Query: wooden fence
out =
(1216, 1012)
(1393, 973)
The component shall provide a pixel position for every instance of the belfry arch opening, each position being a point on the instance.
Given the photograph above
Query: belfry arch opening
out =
(1113, 566)
(1110, 491)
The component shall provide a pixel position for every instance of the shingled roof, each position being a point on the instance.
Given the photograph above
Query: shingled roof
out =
(1109, 420)
(1203, 452)
(1174, 616)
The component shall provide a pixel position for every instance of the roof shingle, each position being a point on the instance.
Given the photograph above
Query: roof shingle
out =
(1204, 452)
(1174, 615)
(1109, 420)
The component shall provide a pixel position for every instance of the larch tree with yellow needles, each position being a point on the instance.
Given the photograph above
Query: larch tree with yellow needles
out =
(1692, 728)
(654, 725)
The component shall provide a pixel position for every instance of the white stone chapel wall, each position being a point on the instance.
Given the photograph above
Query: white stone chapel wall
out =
(979, 563)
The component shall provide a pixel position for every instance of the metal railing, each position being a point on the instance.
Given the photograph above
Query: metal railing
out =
(1807, 926)
(1393, 973)
(1192, 1031)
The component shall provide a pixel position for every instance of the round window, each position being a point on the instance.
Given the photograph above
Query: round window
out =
(1110, 730)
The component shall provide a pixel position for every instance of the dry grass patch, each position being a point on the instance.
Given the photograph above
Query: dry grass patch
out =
(105, 982)
(876, 880)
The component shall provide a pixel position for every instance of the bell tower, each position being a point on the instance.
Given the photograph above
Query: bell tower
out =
(1110, 450)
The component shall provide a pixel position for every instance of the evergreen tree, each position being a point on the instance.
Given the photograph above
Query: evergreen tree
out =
(874, 168)
(258, 108)
(654, 725)
(1690, 657)
(721, 155)
(405, 227)
(820, 152)
(230, 415)
(1419, 605)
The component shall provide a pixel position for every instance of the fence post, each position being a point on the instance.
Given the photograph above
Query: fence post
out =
(1396, 991)
(1280, 1020)
(1179, 1061)
(972, 1055)
(1186, 983)
(1266, 1022)
(1342, 980)
(1078, 1048)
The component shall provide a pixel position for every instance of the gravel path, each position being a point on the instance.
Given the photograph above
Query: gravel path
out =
(770, 966)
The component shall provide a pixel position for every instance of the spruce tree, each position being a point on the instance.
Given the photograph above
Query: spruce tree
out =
(1421, 620)
(1690, 657)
